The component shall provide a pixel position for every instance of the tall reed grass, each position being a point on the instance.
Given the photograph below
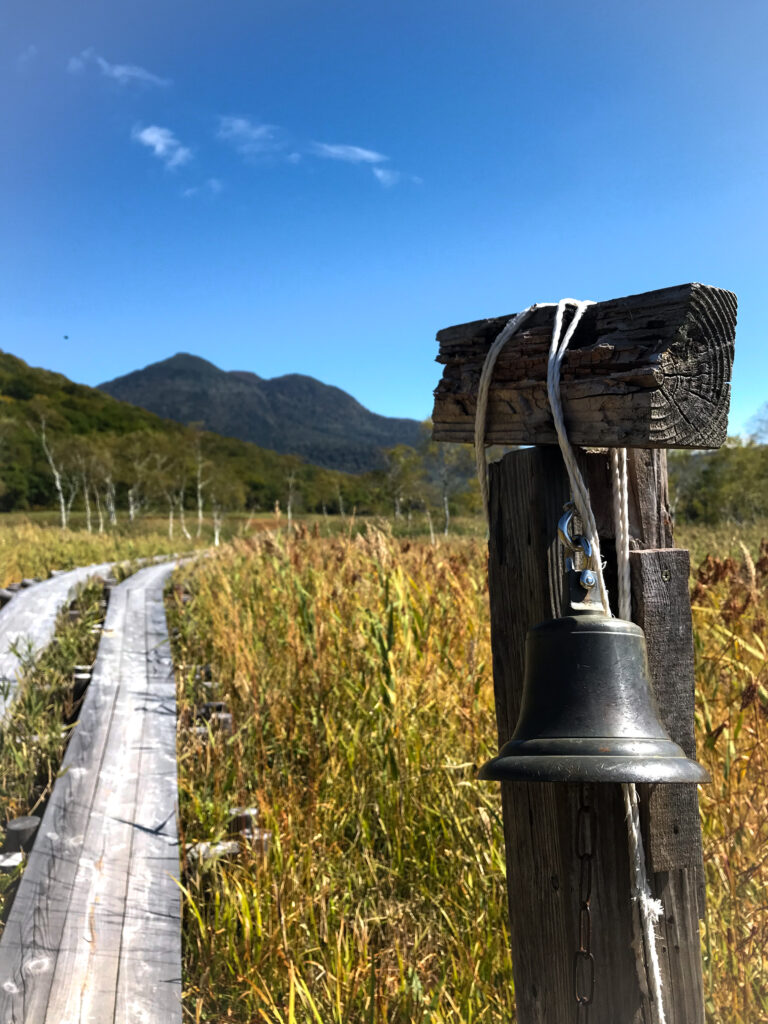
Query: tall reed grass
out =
(31, 549)
(730, 608)
(358, 673)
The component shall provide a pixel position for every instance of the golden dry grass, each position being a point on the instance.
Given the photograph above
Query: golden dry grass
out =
(358, 671)
(33, 549)
(358, 674)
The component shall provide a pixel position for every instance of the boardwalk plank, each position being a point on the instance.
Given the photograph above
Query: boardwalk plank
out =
(29, 620)
(149, 985)
(94, 932)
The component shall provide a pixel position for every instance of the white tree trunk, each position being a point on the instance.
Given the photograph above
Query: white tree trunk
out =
(56, 477)
(86, 497)
(132, 503)
(109, 500)
(217, 521)
(74, 487)
(99, 513)
(182, 519)
(170, 519)
(447, 512)
(200, 485)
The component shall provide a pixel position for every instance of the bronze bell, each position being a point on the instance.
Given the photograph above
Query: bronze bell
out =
(588, 713)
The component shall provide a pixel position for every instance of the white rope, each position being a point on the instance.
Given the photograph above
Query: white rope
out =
(621, 528)
(579, 490)
(649, 909)
(481, 410)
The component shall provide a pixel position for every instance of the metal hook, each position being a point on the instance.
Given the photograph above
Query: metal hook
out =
(574, 543)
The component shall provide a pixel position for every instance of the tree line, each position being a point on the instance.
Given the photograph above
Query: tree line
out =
(187, 473)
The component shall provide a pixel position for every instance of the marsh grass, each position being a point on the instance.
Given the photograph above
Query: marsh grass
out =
(33, 549)
(358, 672)
(35, 730)
(730, 609)
(722, 541)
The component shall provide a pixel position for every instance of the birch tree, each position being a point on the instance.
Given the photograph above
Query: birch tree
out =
(56, 467)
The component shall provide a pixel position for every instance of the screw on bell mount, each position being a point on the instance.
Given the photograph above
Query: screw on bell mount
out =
(580, 549)
(588, 712)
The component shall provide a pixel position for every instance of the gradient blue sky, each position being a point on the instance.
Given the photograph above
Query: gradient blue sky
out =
(311, 187)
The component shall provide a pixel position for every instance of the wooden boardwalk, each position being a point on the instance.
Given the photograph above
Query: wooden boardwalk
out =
(93, 936)
(28, 621)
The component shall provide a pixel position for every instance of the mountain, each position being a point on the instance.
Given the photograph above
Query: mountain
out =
(292, 414)
(84, 425)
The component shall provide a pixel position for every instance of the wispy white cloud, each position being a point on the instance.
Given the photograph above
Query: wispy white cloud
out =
(212, 186)
(124, 74)
(389, 178)
(258, 139)
(349, 154)
(250, 138)
(386, 177)
(164, 145)
(28, 54)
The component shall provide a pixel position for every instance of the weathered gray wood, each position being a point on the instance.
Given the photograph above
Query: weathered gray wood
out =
(28, 621)
(31, 940)
(661, 605)
(85, 977)
(93, 935)
(650, 370)
(527, 492)
(149, 981)
(662, 608)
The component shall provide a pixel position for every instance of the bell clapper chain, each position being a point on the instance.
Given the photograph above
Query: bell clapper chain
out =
(584, 960)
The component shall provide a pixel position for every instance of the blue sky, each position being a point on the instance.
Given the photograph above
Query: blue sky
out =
(319, 187)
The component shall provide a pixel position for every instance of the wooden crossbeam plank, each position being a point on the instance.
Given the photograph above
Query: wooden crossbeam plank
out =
(648, 371)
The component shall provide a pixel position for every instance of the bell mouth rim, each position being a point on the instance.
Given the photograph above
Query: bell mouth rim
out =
(594, 746)
(593, 768)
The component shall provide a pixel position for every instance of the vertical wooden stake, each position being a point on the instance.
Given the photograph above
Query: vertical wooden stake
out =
(528, 489)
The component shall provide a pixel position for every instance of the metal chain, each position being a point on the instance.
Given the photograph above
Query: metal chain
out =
(584, 961)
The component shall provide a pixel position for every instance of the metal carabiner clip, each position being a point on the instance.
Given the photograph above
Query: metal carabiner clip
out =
(588, 576)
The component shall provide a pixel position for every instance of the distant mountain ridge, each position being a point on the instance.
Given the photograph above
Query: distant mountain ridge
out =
(293, 414)
(90, 432)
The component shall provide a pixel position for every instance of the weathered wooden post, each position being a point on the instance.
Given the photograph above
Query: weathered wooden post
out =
(647, 372)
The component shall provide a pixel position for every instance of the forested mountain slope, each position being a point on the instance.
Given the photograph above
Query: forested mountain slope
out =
(93, 436)
(293, 414)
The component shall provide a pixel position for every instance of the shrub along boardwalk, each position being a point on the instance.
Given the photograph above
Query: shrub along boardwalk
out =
(28, 621)
(94, 932)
